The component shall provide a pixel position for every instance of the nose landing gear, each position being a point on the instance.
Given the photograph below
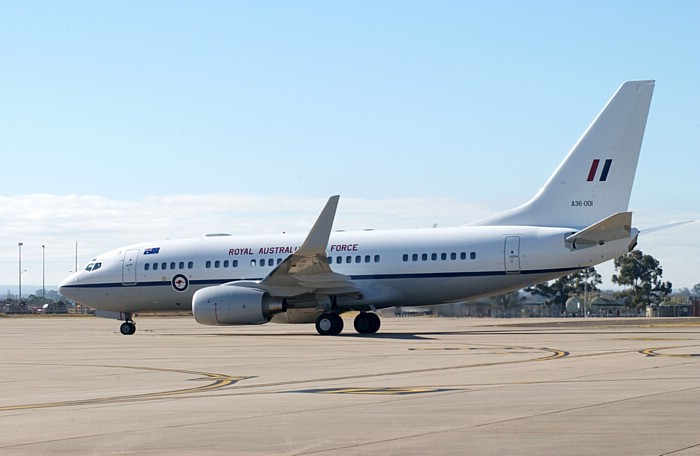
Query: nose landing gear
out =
(128, 327)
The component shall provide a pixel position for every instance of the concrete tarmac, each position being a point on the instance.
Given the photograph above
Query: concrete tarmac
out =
(422, 385)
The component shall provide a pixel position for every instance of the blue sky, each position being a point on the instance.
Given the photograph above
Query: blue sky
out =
(124, 121)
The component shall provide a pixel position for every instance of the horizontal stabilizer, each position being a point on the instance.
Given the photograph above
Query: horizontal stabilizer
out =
(617, 226)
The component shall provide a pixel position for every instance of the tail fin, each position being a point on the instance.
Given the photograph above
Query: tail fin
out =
(595, 179)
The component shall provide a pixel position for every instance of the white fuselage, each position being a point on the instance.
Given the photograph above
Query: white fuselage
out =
(390, 267)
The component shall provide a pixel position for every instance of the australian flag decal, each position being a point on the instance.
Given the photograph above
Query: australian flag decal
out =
(151, 251)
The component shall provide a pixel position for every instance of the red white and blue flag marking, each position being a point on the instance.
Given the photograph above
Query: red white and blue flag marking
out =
(594, 170)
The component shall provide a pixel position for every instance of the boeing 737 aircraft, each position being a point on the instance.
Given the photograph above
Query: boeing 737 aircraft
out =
(577, 220)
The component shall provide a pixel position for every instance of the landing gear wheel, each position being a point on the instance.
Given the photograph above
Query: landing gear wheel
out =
(367, 323)
(329, 324)
(127, 328)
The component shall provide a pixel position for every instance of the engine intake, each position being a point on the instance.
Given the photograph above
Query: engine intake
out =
(232, 305)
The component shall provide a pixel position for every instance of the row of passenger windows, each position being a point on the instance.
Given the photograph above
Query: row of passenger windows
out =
(164, 266)
(442, 256)
(262, 262)
(354, 259)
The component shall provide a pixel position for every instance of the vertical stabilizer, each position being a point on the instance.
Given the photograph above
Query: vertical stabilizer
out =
(595, 179)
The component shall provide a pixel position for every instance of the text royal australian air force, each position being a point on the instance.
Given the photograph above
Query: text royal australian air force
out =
(287, 250)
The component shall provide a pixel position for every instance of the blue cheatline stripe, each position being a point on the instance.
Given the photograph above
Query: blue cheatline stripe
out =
(606, 170)
(427, 275)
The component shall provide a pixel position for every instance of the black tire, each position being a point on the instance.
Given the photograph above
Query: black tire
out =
(127, 328)
(367, 323)
(375, 322)
(329, 324)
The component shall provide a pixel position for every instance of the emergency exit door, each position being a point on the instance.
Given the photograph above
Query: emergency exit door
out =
(512, 254)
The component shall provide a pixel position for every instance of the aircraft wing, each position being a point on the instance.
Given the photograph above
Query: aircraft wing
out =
(307, 270)
(617, 226)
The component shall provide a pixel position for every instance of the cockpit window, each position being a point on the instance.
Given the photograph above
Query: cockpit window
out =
(93, 266)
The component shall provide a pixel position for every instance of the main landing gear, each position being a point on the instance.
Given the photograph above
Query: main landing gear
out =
(128, 327)
(331, 324)
(367, 323)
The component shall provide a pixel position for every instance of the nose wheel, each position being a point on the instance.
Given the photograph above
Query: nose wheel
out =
(127, 328)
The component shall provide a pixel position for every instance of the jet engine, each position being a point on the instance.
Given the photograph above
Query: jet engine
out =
(232, 305)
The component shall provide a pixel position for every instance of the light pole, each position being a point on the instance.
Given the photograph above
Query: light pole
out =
(20, 244)
(43, 275)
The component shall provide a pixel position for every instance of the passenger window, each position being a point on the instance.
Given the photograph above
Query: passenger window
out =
(190, 265)
(208, 264)
(234, 263)
(358, 259)
(415, 257)
(339, 260)
(348, 259)
(217, 264)
(472, 255)
(164, 266)
(225, 263)
(463, 255)
(155, 266)
(453, 256)
(367, 258)
(182, 265)
(433, 256)
(271, 262)
(172, 265)
(252, 263)
(405, 257)
(279, 260)
(147, 266)
(376, 258)
(424, 257)
(330, 260)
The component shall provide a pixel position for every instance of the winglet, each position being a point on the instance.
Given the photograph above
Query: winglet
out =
(317, 239)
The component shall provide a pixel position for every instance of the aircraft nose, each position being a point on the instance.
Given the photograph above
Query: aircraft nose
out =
(68, 286)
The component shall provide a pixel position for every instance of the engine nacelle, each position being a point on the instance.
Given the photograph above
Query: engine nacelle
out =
(232, 305)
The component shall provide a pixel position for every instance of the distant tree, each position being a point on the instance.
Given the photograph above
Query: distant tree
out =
(696, 289)
(683, 292)
(643, 274)
(503, 303)
(575, 284)
(36, 301)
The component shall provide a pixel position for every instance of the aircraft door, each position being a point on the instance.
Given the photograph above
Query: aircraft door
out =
(512, 254)
(129, 267)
